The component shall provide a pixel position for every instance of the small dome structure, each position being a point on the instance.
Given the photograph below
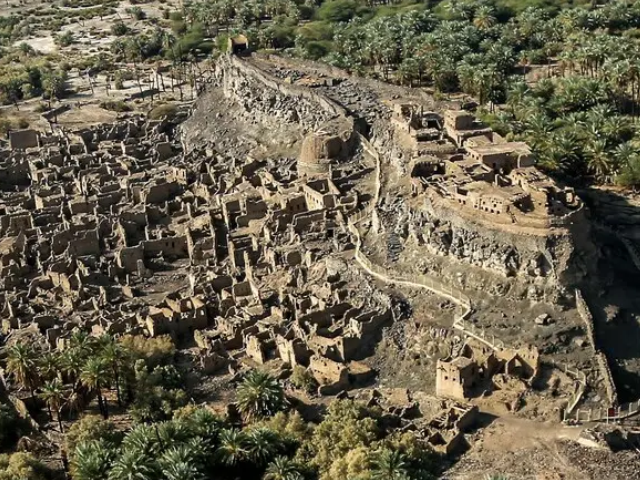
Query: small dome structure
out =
(319, 150)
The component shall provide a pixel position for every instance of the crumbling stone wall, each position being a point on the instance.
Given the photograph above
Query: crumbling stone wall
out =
(270, 101)
(22, 139)
(127, 258)
(553, 256)
(601, 359)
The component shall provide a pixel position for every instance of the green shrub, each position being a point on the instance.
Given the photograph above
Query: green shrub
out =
(161, 111)
(22, 466)
(115, 106)
(157, 394)
(137, 13)
(302, 379)
(119, 29)
(65, 39)
(89, 428)
(154, 351)
(337, 10)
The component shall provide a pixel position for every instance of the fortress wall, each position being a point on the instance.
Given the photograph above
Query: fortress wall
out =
(249, 69)
(603, 365)
(272, 101)
(587, 318)
(605, 374)
(507, 251)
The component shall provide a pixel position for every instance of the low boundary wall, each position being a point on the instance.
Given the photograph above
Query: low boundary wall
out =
(601, 359)
(425, 282)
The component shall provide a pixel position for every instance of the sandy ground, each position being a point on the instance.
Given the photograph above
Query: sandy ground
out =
(92, 36)
(529, 450)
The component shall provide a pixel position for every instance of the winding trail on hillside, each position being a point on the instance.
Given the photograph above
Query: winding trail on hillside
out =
(434, 286)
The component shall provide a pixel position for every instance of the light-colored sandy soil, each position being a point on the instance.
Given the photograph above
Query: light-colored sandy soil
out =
(527, 450)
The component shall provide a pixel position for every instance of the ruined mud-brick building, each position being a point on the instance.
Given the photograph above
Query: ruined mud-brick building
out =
(117, 229)
(470, 373)
(484, 201)
(478, 198)
(132, 228)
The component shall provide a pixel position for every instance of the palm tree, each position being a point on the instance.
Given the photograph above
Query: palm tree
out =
(457, 10)
(75, 402)
(21, 364)
(408, 71)
(172, 432)
(94, 376)
(516, 94)
(49, 365)
(389, 465)
(538, 128)
(92, 460)
(84, 343)
(624, 152)
(617, 128)
(115, 358)
(262, 445)
(233, 447)
(566, 146)
(283, 468)
(260, 395)
(53, 85)
(71, 362)
(53, 395)
(599, 160)
(134, 53)
(182, 463)
(143, 438)
(205, 424)
(484, 17)
(629, 175)
(182, 471)
(132, 465)
(467, 77)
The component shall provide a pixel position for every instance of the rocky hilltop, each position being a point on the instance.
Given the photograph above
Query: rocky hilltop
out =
(541, 244)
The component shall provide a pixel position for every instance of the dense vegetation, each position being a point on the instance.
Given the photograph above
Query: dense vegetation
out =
(581, 121)
(24, 75)
(140, 371)
(196, 444)
(22, 466)
(169, 440)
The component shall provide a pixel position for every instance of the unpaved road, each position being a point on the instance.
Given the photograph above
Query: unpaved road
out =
(528, 450)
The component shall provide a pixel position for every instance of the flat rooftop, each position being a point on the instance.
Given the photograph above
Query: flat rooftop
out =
(495, 148)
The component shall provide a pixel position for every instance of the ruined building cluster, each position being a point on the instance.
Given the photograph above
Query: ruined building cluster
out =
(126, 228)
(115, 229)
(464, 164)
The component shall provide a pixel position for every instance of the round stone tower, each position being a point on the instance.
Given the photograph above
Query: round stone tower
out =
(319, 151)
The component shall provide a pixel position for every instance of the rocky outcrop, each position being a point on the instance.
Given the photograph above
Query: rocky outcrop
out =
(267, 100)
(550, 258)
(546, 261)
(510, 255)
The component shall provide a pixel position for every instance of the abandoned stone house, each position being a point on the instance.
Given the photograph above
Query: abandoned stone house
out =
(115, 228)
(105, 211)
(86, 216)
(470, 373)
(481, 172)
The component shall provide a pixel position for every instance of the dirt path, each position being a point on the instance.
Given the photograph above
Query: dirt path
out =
(507, 433)
(529, 450)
